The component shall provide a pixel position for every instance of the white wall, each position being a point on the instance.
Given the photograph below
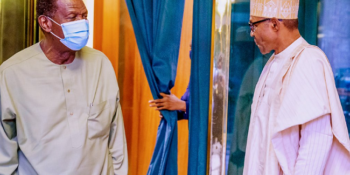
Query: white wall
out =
(90, 6)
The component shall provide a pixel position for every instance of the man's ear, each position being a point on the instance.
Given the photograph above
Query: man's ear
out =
(276, 25)
(45, 23)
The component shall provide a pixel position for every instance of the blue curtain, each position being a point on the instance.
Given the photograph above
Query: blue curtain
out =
(157, 25)
(200, 86)
(308, 20)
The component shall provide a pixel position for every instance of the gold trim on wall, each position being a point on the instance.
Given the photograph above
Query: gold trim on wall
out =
(1, 31)
(211, 87)
(18, 26)
(30, 19)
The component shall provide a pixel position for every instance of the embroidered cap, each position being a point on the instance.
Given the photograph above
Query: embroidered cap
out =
(281, 9)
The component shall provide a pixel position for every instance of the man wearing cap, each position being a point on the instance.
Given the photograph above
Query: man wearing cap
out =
(60, 111)
(297, 123)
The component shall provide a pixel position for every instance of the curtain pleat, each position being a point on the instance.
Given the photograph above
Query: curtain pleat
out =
(157, 26)
(200, 87)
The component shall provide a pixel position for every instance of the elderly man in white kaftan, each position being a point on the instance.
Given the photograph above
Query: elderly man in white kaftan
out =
(60, 111)
(297, 123)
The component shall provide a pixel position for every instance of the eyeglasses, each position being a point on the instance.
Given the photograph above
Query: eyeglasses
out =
(252, 24)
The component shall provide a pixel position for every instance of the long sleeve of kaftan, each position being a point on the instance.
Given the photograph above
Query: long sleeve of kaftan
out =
(8, 136)
(186, 98)
(315, 144)
(117, 143)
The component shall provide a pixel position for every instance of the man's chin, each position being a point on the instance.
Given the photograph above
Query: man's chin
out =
(262, 51)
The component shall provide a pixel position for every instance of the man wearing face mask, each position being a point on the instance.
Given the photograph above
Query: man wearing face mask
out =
(60, 111)
(297, 125)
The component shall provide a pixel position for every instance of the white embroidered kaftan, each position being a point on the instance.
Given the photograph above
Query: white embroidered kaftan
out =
(297, 123)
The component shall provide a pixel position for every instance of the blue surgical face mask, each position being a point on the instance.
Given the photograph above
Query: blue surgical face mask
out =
(76, 33)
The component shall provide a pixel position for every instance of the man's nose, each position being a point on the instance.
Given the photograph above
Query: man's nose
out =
(251, 33)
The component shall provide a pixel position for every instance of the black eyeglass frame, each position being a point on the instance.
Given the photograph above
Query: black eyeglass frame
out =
(252, 27)
(251, 24)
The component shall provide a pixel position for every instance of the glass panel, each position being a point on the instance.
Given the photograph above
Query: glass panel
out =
(334, 40)
(220, 87)
(246, 64)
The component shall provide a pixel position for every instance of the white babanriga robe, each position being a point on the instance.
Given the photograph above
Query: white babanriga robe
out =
(297, 122)
(60, 119)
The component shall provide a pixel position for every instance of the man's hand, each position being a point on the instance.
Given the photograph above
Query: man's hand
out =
(168, 102)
